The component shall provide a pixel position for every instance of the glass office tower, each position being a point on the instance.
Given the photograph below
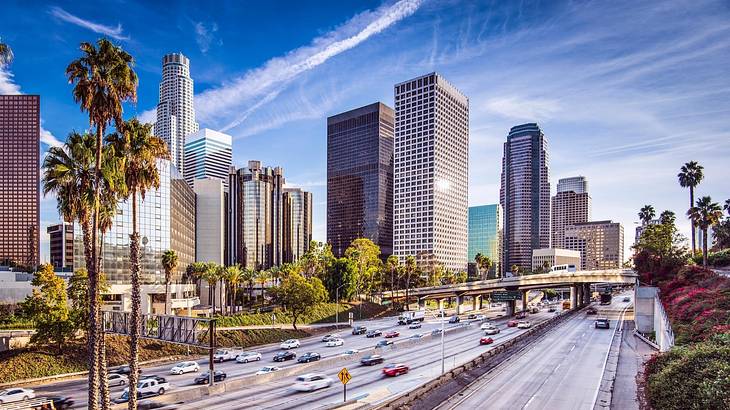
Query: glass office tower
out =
(485, 234)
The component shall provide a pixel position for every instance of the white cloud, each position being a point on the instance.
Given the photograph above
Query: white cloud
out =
(306, 184)
(48, 138)
(205, 35)
(114, 32)
(514, 107)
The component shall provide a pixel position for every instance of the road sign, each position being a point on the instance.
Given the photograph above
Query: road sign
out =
(344, 375)
(505, 295)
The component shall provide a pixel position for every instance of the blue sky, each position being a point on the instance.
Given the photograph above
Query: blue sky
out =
(625, 91)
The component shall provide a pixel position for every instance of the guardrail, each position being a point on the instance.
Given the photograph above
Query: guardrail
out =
(662, 326)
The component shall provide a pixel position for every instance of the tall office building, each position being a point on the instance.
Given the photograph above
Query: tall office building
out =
(485, 234)
(210, 218)
(571, 205)
(61, 245)
(525, 195)
(431, 171)
(600, 243)
(297, 223)
(208, 154)
(255, 216)
(182, 221)
(175, 111)
(360, 178)
(19, 180)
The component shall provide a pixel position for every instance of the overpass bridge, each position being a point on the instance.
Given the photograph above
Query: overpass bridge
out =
(579, 283)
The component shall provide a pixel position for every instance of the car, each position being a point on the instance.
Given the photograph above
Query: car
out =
(373, 333)
(290, 344)
(486, 341)
(602, 323)
(350, 352)
(371, 359)
(392, 333)
(534, 310)
(185, 367)
(436, 332)
(124, 369)
(415, 325)
(309, 357)
(246, 357)
(60, 402)
(482, 317)
(552, 309)
(471, 316)
(486, 325)
(394, 370)
(383, 344)
(524, 324)
(491, 330)
(454, 319)
(591, 311)
(359, 330)
(512, 323)
(521, 315)
(283, 356)
(224, 355)
(14, 394)
(151, 386)
(416, 336)
(267, 370)
(626, 299)
(159, 379)
(327, 338)
(335, 342)
(312, 382)
(218, 376)
(117, 379)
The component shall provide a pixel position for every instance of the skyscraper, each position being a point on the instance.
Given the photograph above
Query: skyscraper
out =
(19, 179)
(175, 111)
(182, 221)
(208, 154)
(485, 234)
(525, 195)
(571, 205)
(61, 244)
(297, 223)
(210, 218)
(431, 169)
(360, 177)
(255, 219)
(600, 243)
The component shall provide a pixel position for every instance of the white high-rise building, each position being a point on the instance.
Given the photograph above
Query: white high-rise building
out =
(431, 171)
(175, 111)
(208, 154)
(571, 205)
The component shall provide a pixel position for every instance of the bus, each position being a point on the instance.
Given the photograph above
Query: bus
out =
(563, 268)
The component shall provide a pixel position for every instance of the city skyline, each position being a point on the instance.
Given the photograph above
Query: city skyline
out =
(596, 116)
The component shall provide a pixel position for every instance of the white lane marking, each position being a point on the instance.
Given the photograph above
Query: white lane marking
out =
(528, 402)
(571, 349)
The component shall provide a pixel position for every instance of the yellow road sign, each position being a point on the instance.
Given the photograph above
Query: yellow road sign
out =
(344, 375)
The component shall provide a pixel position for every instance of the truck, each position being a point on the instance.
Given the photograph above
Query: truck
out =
(606, 298)
(146, 387)
(222, 355)
(406, 318)
(566, 305)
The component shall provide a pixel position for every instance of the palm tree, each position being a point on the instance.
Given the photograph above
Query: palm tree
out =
(690, 175)
(667, 218)
(705, 214)
(169, 262)
(726, 207)
(410, 267)
(212, 276)
(234, 275)
(262, 277)
(392, 263)
(103, 79)
(6, 54)
(249, 275)
(141, 151)
(484, 264)
(646, 214)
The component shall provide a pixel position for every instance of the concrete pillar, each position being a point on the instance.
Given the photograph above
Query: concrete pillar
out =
(481, 303)
(588, 293)
(421, 303)
(459, 300)
(524, 299)
(441, 304)
(476, 302)
(573, 297)
(510, 307)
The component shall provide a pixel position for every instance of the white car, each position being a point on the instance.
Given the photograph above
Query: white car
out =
(267, 370)
(486, 325)
(116, 379)
(246, 357)
(16, 394)
(185, 367)
(350, 352)
(481, 317)
(311, 382)
(147, 387)
(327, 338)
(490, 330)
(290, 344)
(335, 342)
(524, 324)
(222, 355)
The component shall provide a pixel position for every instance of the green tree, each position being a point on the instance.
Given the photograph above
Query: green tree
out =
(659, 253)
(646, 214)
(212, 274)
(366, 256)
(169, 263)
(690, 175)
(261, 278)
(704, 215)
(299, 295)
(667, 217)
(484, 264)
(6, 54)
(316, 259)
(234, 275)
(392, 263)
(410, 269)
(48, 307)
(342, 272)
(515, 270)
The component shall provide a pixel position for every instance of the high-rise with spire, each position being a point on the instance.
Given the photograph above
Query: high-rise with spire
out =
(175, 111)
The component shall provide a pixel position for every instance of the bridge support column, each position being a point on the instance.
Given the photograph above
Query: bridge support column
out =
(459, 301)
(481, 302)
(573, 297)
(524, 299)
(476, 302)
(586, 293)
(421, 303)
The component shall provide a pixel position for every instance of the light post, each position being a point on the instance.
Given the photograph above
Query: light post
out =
(441, 315)
(337, 309)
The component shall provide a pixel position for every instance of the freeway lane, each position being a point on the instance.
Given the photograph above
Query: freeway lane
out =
(561, 371)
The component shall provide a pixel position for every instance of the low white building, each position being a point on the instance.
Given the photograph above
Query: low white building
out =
(554, 256)
(182, 298)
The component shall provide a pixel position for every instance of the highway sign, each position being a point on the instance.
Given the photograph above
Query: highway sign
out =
(505, 295)
(344, 375)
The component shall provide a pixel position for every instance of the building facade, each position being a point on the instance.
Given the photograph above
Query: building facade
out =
(554, 256)
(61, 245)
(431, 171)
(360, 177)
(297, 223)
(485, 234)
(20, 180)
(175, 111)
(600, 243)
(571, 205)
(182, 222)
(255, 216)
(525, 195)
(208, 154)
(210, 218)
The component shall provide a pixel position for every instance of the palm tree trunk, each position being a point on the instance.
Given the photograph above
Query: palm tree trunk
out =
(105, 398)
(91, 344)
(704, 247)
(135, 320)
(167, 297)
(692, 223)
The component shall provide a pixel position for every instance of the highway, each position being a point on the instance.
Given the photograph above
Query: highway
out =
(560, 371)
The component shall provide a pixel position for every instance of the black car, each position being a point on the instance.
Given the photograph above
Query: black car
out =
(204, 378)
(124, 370)
(602, 323)
(552, 309)
(282, 356)
(436, 332)
(308, 357)
(159, 379)
(591, 311)
(373, 333)
(471, 316)
(371, 360)
(359, 330)
(60, 402)
(454, 319)
(384, 343)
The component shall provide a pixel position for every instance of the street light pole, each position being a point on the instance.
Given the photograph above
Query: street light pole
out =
(443, 332)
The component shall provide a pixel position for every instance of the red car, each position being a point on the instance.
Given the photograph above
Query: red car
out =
(486, 341)
(395, 369)
(392, 333)
(512, 323)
